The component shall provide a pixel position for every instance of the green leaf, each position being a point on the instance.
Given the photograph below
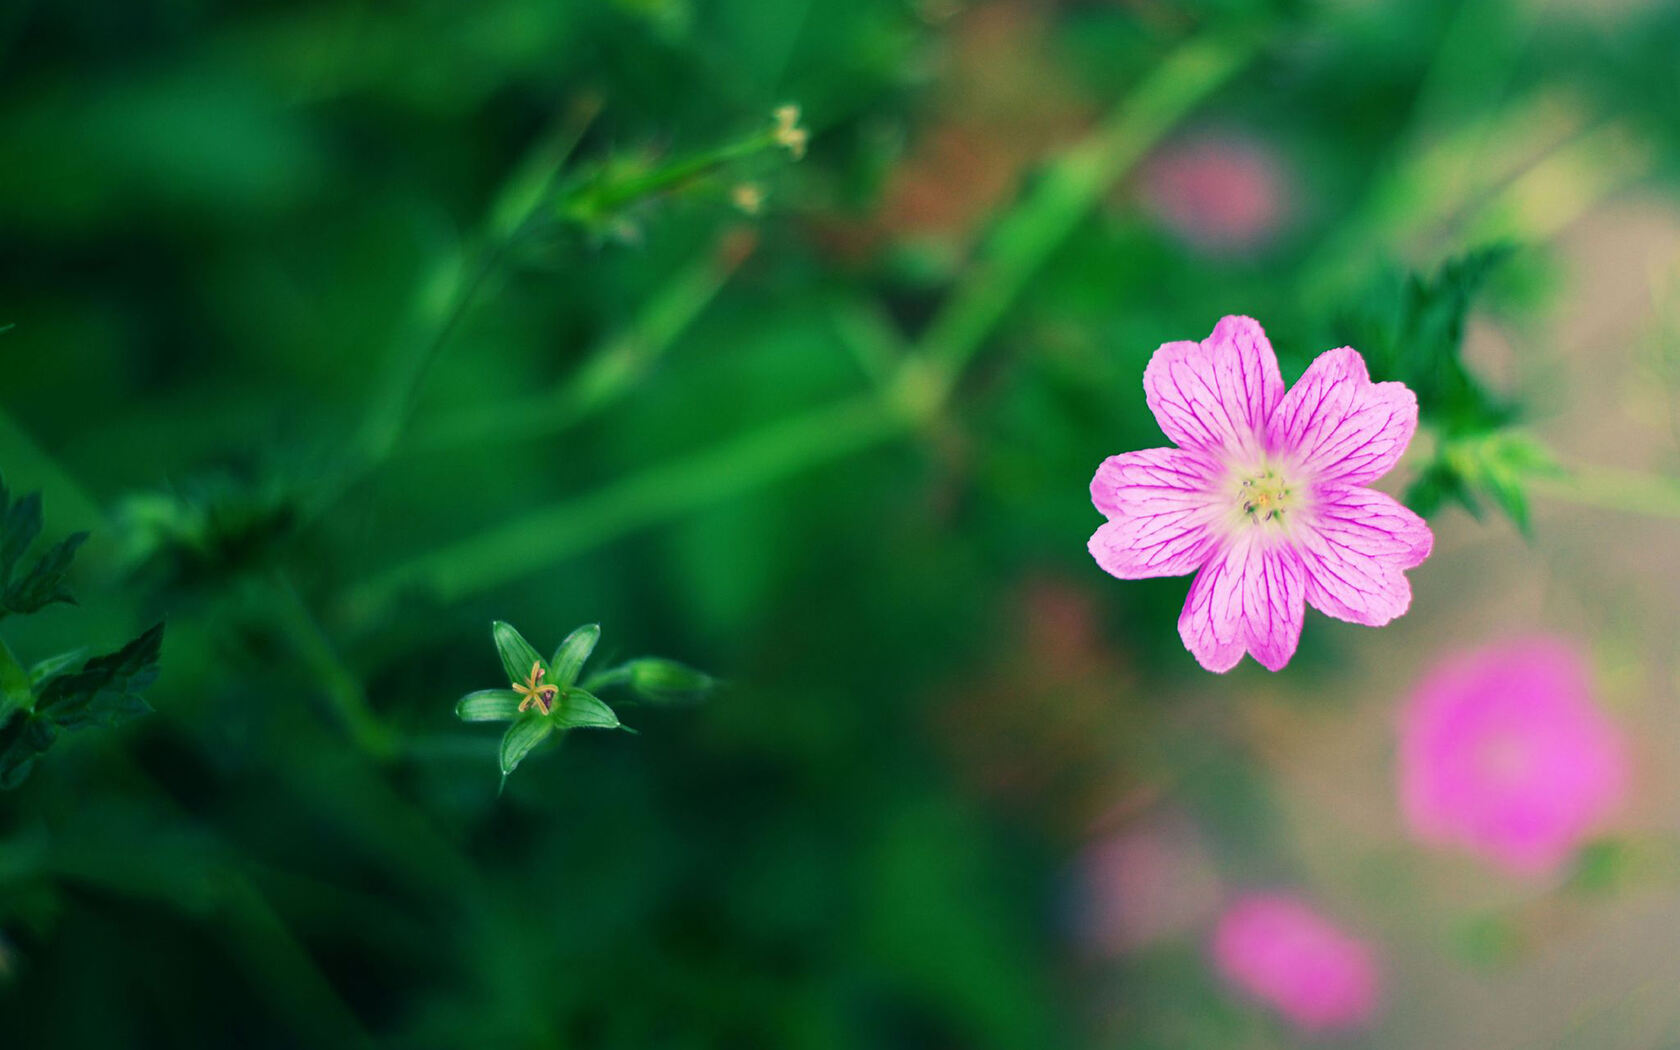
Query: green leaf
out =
(1495, 465)
(23, 738)
(488, 705)
(107, 690)
(518, 656)
(44, 583)
(53, 666)
(660, 681)
(521, 738)
(570, 657)
(580, 710)
(15, 689)
(22, 525)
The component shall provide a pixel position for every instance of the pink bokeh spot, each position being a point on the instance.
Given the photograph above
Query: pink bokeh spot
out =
(1264, 496)
(1223, 193)
(1504, 753)
(1278, 951)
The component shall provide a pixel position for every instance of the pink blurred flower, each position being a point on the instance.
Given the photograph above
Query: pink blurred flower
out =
(1278, 951)
(1222, 193)
(1264, 498)
(1503, 752)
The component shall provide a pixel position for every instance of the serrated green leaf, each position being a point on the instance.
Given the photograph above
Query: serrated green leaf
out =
(580, 710)
(23, 739)
(22, 523)
(573, 652)
(521, 738)
(488, 705)
(107, 690)
(44, 583)
(517, 654)
(56, 665)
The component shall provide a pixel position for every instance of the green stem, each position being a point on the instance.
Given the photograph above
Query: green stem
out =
(343, 689)
(507, 552)
(1068, 189)
(610, 372)
(1611, 488)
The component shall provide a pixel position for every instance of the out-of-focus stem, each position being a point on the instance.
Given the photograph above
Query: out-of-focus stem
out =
(1612, 488)
(504, 553)
(611, 371)
(343, 689)
(1067, 190)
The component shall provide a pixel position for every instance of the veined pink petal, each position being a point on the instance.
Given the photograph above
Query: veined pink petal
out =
(1339, 425)
(1159, 503)
(1247, 598)
(1355, 544)
(1216, 395)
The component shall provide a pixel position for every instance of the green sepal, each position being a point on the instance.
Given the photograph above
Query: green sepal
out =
(578, 709)
(573, 652)
(107, 690)
(521, 738)
(488, 705)
(517, 654)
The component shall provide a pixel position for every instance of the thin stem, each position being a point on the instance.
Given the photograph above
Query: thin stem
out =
(342, 687)
(1611, 488)
(1027, 236)
(611, 371)
(507, 552)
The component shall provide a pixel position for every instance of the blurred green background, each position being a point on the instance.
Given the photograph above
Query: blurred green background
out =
(348, 328)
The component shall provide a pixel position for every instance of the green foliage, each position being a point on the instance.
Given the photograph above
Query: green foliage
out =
(37, 703)
(106, 692)
(1411, 328)
(43, 583)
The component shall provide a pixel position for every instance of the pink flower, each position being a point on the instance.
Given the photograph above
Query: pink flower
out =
(1503, 752)
(1222, 193)
(1265, 495)
(1280, 952)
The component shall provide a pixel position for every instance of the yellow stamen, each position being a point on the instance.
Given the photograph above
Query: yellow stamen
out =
(535, 692)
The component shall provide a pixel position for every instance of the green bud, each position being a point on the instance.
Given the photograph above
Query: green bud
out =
(660, 681)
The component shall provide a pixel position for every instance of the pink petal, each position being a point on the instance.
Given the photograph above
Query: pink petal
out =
(1504, 751)
(1159, 505)
(1340, 425)
(1356, 544)
(1247, 598)
(1216, 395)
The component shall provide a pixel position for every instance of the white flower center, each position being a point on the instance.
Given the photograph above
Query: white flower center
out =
(1265, 495)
